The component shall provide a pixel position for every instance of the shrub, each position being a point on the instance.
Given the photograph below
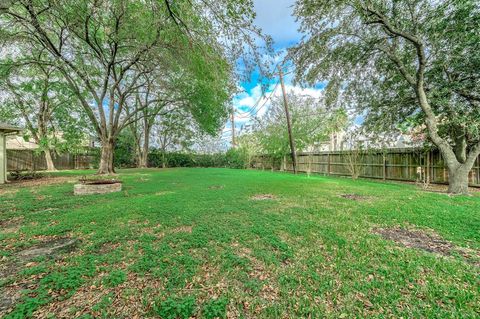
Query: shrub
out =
(20, 176)
(158, 159)
(236, 158)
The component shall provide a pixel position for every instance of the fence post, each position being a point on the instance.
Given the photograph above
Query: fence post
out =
(384, 166)
(328, 163)
(428, 166)
(33, 162)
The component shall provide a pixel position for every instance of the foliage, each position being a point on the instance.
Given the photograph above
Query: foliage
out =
(20, 176)
(173, 229)
(250, 145)
(159, 159)
(311, 123)
(115, 278)
(215, 308)
(355, 154)
(175, 130)
(237, 158)
(176, 308)
(38, 97)
(107, 50)
(397, 62)
(124, 154)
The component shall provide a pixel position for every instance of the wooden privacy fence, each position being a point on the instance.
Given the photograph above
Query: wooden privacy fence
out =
(28, 160)
(409, 164)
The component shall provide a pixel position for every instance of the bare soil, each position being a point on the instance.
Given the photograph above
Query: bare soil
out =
(427, 241)
(11, 293)
(263, 197)
(354, 197)
(38, 182)
(49, 248)
(216, 187)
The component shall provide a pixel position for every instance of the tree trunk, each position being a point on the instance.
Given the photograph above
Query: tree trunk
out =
(142, 160)
(49, 160)
(143, 156)
(164, 165)
(106, 158)
(458, 179)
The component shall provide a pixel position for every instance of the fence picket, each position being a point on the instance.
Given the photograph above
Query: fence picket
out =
(392, 164)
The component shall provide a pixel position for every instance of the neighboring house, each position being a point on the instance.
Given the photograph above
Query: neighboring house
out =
(341, 141)
(19, 143)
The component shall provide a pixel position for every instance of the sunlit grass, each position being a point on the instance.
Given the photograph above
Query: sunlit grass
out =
(178, 243)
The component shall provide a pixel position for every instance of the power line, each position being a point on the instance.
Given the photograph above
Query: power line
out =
(255, 109)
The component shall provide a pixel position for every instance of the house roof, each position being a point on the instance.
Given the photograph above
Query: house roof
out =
(7, 128)
(19, 143)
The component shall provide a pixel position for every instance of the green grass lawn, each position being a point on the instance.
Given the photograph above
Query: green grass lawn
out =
(182, 243)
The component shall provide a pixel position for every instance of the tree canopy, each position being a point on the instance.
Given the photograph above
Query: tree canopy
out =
(400, 62)
(107, 51)
(312, 123)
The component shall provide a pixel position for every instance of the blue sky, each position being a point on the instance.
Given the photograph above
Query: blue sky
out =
(275, 17)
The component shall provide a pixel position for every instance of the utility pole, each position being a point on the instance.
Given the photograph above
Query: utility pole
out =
(289, 124)
(234, 142)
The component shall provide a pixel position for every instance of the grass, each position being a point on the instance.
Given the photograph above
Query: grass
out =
(179, 243)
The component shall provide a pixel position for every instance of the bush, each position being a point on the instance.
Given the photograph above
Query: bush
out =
(237, 158)
(20, 176)
(234, 158)
(157, 159)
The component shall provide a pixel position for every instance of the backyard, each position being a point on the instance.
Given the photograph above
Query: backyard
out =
(209, 243)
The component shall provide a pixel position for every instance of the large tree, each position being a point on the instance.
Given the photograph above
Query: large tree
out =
(415, 61)
(36, 96)
(104, 49)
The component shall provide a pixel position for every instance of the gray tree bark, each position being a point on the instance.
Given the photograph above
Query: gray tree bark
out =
(106, 166)
(49, 160)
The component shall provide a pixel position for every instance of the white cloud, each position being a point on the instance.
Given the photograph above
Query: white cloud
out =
(275, 17)
(254, 103)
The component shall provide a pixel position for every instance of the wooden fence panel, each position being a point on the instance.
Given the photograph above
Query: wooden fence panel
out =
(394, 164)
(27, 160)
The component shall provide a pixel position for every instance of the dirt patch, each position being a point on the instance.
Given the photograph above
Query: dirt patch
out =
(354, 197)
(183, 229)
(427, 241)
(263, 197)
(443, 189)
(9, 296)
(41, 182)
(269, 290)
(49, 248)
(127, 300)
(108, 247)
(162, 193)
(217, 187)
(12, 225)
(8, 191)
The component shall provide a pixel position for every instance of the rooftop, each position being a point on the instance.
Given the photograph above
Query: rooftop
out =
(7, 128)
